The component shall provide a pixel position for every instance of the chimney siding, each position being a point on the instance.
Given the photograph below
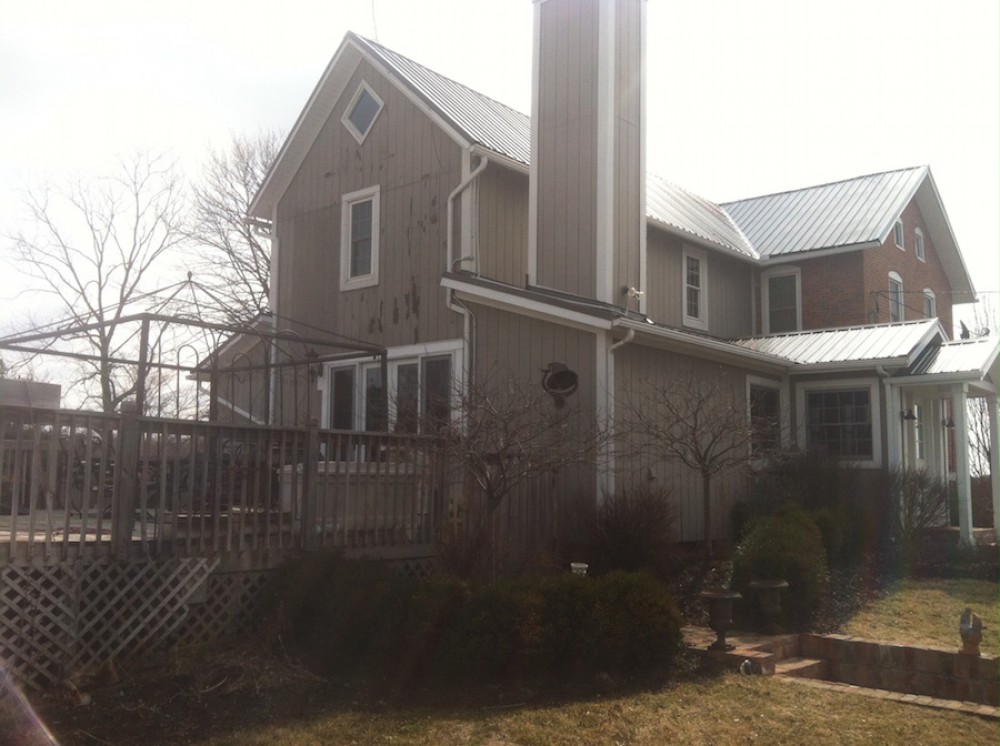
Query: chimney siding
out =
(588, 147)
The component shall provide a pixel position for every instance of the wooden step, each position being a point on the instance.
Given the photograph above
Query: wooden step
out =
(809, 668)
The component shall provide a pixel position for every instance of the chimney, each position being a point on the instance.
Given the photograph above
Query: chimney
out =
(587, 231)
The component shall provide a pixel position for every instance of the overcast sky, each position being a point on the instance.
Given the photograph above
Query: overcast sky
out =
(745, 97)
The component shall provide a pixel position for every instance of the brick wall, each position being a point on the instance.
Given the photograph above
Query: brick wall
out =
(916, 274)
(852, 288)
(932, 672)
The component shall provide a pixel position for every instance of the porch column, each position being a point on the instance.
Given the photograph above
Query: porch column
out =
(960, 413)
(991, 403)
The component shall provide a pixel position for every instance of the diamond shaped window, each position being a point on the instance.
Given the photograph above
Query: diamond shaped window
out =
(362, 112)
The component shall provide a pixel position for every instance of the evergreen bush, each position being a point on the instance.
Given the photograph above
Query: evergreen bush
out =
(787, 546)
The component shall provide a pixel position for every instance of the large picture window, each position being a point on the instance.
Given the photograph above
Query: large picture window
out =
(839, 423)
(359, 239)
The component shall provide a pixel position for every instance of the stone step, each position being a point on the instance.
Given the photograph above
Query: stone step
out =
(809, 668)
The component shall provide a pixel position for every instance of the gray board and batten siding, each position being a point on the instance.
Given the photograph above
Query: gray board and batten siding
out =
(636, 369)
(415, 164)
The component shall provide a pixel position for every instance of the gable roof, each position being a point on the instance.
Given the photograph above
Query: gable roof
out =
(474, 119)
(851, 214)
(856, 212)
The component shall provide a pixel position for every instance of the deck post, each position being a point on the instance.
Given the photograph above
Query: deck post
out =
(310, 484)
(123, 506)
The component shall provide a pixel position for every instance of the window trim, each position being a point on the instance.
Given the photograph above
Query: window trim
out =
(875, 402)
(765, 294)
(396, 356)
(929, 295)
(894, 278)
(918, 245)
(347, 202)
(357, 134)
(700, 321)
(898, 235)
(784, 425)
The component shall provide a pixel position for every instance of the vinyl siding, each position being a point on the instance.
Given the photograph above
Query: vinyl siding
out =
(637, 367)
(502, 222)
(629, 208)
(416, 166)
(566, 152)
(730, 288)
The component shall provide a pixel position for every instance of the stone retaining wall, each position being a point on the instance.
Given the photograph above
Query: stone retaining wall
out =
(934, 672)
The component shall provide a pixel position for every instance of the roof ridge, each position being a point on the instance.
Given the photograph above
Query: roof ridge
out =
(825, 184)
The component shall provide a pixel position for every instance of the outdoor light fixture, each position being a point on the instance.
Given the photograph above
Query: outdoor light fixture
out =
(908, 415)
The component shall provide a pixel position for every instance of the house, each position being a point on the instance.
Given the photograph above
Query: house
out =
(461, 236)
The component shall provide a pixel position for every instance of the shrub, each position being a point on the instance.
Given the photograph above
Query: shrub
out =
(633, 531)
(787, 545)
(356, 620)
(563, 626)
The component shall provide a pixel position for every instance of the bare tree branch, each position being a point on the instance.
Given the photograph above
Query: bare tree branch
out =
(233, 260)
(93, 246)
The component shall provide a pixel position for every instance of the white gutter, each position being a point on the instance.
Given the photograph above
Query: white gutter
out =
(629, 336)
(719, 346)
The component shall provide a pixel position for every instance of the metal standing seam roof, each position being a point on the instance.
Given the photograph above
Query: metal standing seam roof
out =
(844, 213)
(482, 119)
(959, 356)
(507, 132)
(847, 345)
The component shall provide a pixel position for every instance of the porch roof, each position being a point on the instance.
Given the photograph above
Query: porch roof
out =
(877, 344)
(968, 360)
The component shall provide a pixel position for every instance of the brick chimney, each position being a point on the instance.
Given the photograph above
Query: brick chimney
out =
(588, 158)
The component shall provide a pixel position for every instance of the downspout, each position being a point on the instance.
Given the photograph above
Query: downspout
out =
(453, 303)
(606, 486)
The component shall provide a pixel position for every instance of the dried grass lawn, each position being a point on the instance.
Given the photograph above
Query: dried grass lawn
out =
(250, 697)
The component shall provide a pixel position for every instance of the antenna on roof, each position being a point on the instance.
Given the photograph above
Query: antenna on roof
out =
(374, 22)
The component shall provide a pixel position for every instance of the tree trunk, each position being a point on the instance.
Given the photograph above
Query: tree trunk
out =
(706, 495)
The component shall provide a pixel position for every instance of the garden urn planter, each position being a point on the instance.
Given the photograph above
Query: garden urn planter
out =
(769, 601)
(720, 614)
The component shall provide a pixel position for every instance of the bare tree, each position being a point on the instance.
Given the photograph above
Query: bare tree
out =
(233, 256)
(503, 440)
(95, 248)
(699, 421)
(985, 323)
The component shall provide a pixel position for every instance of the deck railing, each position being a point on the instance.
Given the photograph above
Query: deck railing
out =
(79, 485)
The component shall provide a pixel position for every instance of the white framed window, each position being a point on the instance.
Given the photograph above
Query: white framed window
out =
(423, 381)
(841, 420)
(897, 235)
(918, 245)
(361, 112)
(930, 304)
(895, 298)
(767, 410)
(694, 269)
(359, 239)
(781, 300)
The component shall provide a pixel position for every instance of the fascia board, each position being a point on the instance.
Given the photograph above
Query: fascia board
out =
(798, 256)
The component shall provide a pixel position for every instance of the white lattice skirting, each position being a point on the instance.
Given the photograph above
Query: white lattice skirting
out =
(70, 618)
